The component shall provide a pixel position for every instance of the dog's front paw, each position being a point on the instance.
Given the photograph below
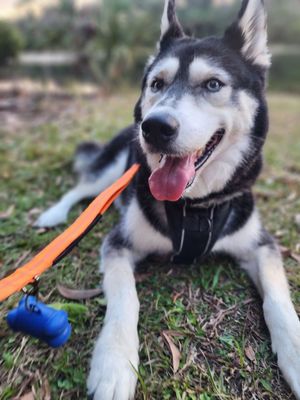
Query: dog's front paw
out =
(54, 216)
(112, 377)
(113, 369)
(288, 353)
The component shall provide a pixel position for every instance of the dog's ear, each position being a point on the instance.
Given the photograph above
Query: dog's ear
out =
(248, 34)
(170, 26)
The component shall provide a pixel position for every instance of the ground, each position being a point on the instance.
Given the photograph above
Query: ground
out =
(211, 313)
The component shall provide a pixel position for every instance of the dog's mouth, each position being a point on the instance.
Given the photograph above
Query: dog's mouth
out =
(175, 174)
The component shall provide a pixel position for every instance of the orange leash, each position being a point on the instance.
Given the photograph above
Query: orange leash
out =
(65, 242)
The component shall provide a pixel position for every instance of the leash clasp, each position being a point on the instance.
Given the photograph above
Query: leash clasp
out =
(32, 291)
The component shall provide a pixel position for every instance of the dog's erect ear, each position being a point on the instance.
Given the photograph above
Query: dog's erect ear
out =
(249, 33)
(170, 26)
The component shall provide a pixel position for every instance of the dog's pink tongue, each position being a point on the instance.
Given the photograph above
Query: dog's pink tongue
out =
(169, 181)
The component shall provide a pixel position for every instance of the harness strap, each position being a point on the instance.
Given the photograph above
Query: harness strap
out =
(194, 230)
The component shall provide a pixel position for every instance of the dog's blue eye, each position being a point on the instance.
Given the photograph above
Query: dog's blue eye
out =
(157, 85)
(213, 85)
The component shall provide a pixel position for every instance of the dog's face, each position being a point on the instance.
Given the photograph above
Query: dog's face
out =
(199, 103)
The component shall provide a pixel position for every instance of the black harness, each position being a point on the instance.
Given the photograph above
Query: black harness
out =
(194, 229)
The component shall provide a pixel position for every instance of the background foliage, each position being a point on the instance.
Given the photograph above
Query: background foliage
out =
(10, 42)
(114, 38)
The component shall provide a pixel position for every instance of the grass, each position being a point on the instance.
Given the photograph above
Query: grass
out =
(212, 310)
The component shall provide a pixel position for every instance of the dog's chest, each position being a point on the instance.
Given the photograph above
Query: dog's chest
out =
(194, 230)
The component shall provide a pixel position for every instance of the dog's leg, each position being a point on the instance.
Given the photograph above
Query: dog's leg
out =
(279, 312)
(260, 257)
(86, 188)
(58, 213)
(115, 356)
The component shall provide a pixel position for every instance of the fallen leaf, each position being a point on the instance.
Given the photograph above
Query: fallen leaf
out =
(34, 211)
(78, 294)
(177, 295)
(75, 310)
(46, 390)
(295, 257)
(32, 214)
(174, 350)
(8, 213)
(250, 353)
(266, 385)
(280, 233)
(27, 396)
(285, 251)
(41, 231)
(265, 194)
(292, 196)
(173, 333)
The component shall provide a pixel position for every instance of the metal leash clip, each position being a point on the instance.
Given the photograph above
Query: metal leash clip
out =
(33, 291)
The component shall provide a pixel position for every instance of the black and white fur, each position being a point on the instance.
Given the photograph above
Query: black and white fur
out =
(183, 66)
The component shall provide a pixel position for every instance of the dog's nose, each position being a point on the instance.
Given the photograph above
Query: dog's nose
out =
(160, 129)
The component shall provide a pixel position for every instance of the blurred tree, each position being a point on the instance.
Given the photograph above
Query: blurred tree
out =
(10, 42)
(124, 38)
(203, 18)
(54, 29)
(284, 21)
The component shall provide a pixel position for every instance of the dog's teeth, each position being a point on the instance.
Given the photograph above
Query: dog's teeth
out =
(199, 153)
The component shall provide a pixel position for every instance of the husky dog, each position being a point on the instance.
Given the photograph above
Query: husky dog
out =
(200, 125)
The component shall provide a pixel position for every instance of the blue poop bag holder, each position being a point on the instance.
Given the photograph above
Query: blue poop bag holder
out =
(40, 321)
